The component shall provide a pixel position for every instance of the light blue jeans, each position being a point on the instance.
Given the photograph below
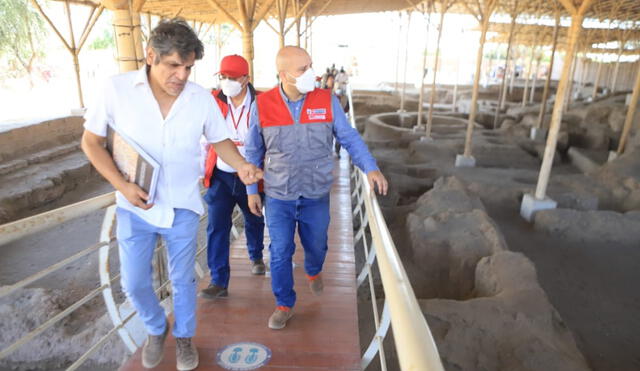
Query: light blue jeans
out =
(312, 217)
(137, 241)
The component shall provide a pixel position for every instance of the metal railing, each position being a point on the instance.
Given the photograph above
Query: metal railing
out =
(16, 230)
(414, 343)
(415, 346)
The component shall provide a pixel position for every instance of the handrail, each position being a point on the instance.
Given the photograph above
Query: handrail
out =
(415, 346)
(20, 228)
(24, 227)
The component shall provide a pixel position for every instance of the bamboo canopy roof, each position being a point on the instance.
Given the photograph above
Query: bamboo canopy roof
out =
(216, 11)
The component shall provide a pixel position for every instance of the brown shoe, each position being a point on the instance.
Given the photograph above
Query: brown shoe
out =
(186, 355)
(153, 349)
(279, 318)
(257, 267)
(315, 284)
(213, 292)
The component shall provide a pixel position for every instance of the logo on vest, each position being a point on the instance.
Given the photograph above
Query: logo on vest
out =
(317, 113)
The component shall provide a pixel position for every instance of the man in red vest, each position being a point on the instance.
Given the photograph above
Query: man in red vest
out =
(291, 138)
(236, 100)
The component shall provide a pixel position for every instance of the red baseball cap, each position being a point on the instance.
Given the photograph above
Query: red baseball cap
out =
(234, 66)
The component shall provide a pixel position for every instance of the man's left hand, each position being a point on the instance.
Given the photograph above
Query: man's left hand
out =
(375, 177)
(249, 173)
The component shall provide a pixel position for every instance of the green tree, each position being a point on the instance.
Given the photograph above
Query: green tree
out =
(103, 42)
(21, 34)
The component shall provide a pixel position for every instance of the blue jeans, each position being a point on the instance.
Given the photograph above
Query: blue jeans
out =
(225, 192)
(137, 241)
(312, 219)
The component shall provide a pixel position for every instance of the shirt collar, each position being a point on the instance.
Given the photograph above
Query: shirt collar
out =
(244, 101)
(286, 99)
(141, 77)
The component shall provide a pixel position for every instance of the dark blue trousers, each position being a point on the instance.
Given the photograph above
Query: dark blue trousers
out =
(225, 192)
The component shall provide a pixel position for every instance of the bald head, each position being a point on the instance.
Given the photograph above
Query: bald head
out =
(293, 61)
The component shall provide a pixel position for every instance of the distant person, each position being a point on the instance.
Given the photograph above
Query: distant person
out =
(165, 114)
(325, 76)
(291, 136)
(237, 101)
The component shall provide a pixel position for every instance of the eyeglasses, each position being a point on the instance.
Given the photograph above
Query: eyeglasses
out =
(223, 77)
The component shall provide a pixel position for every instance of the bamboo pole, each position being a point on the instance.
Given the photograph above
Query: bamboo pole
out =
(630, 114)
(616, 71)
(596, 83)
(74, 52)
(545, 92)
(528, 77)
(476, 80)
(572, 77)
(397, 51)
(503, 86)
(432, 98)
(427, 17)
(535, 78)
(552, 139)
(406, 62)
(512, 77)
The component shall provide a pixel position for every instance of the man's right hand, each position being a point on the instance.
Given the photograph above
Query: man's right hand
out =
(255, 204)
(135, 195)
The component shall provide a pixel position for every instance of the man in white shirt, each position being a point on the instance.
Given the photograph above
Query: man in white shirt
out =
(236, 99)
(165, 115)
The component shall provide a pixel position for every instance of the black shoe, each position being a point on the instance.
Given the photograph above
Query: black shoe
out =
(257, 267)
(213, 292)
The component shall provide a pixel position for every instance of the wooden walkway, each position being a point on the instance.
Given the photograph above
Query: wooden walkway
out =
(322, 334)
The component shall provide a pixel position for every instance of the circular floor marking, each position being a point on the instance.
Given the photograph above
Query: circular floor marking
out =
(243, 356)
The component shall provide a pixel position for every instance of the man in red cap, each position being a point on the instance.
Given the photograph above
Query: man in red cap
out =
(236, 99)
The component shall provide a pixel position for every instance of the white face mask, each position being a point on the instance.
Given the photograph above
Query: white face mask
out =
(230, 88)
(305, 82)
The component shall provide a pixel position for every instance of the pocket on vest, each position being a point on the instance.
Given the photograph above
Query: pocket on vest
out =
(320, 135)
(276, 176)
(323, 172)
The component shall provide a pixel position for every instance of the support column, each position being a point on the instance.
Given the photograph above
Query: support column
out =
(466, 158)
(539, 200)
(535, 79)
(398, 52)
(130, 55)
(423, 74)
(616, 70)
(503, 87)
(512, 78)
(630, 114)
(432, 98)
(545, 92)
(527, 78)
(596, 83)
(406, 61)
(73, 47)
(572, 77)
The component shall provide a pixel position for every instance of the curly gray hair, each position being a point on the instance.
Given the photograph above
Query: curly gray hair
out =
(175, 35)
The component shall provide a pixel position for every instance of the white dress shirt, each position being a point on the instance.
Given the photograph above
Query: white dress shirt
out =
(128, 104)
(237, 116)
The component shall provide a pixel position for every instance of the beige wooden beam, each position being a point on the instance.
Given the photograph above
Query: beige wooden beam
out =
(262, 13)
(215, 4)
(596, 83)
(299, 14)
(503, 85)
(427, 16)
(556, 117)
(547, 84)
(406, 61)
(89, 27)
(630, 114)
(55, 29)
(486, 14)
(444, 6)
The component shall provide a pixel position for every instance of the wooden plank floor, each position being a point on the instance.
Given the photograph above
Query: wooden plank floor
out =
(322, 334)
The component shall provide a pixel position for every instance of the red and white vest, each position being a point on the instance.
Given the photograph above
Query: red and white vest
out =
(299, 150)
